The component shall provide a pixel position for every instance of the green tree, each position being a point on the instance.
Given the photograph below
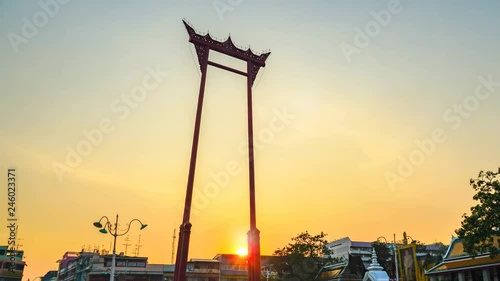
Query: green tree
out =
(482, 226)
(303, 257)
(434, 257)
(385, 257)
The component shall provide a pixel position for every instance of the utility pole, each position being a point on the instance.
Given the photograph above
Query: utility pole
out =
(137, 246)
(18, 242)
(396, 257)
(173, 248)
(112, 228)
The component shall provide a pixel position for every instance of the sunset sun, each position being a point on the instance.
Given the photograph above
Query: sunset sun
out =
(242, 251)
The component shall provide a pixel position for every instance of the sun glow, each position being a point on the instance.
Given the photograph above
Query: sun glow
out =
(242, 251)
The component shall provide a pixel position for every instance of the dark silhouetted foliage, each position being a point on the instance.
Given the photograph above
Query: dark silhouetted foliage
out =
(303, 257)
(480, 229)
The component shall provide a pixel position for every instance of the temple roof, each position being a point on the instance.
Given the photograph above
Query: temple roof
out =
(462, 264)
(347, 269)
(456, 249)
(457, 259)
(332, 271)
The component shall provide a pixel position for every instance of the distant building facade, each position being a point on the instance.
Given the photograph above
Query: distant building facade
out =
(11, 264)
(197, 270)
(344, 247)
(235, 267)
(91, 266)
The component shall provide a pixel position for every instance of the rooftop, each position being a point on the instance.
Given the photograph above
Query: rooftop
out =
(457, 259)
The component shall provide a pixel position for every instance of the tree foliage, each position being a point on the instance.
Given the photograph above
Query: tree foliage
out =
(482, 226)
(385, 257)
(385, 253)
(303, 257)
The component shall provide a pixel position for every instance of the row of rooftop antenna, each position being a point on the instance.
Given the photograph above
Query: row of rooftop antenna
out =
(103, 250)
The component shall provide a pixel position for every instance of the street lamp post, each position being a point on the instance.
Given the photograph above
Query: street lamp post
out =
(394, 249)
(405, 239)
(108, 227)
(268, 270)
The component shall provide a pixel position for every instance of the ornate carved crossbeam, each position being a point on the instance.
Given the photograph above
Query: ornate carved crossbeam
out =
(204, 42)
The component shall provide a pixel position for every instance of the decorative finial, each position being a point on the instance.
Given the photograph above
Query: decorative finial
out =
(375, 266)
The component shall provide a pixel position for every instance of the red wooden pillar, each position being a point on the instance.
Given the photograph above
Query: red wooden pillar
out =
(185, 228)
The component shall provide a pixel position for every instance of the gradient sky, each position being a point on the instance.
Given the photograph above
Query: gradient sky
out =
(323, 169)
